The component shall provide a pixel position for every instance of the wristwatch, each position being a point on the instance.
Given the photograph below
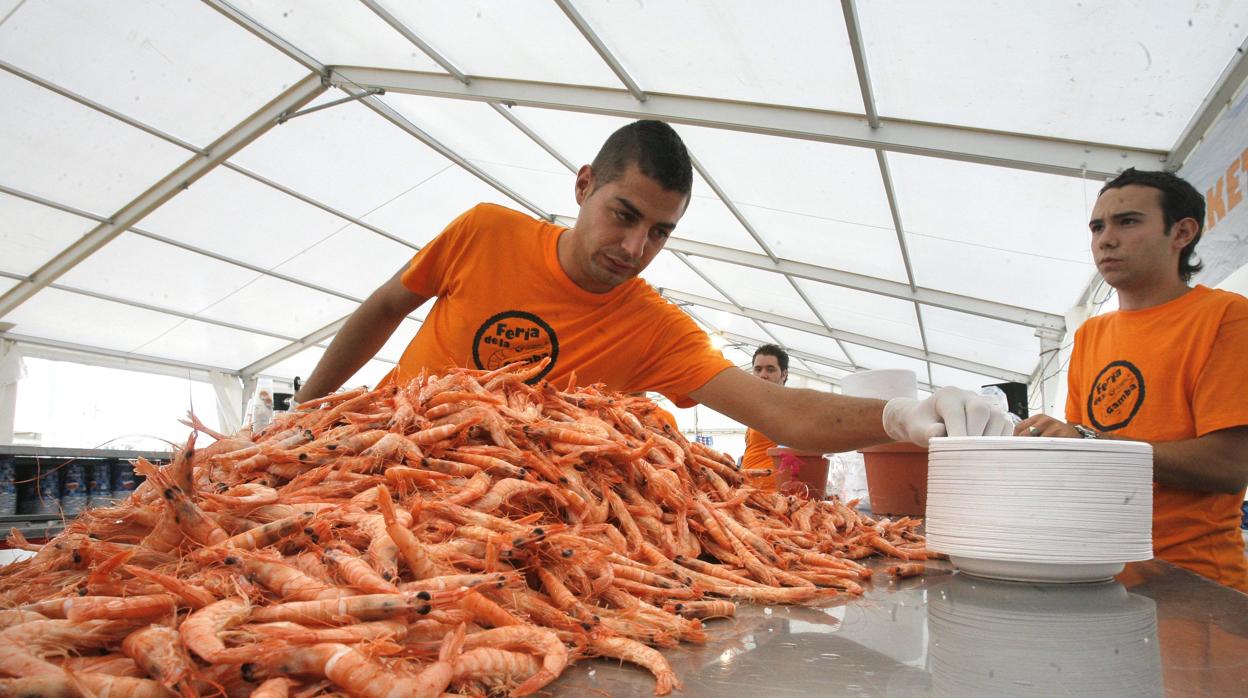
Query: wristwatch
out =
(1086, 432)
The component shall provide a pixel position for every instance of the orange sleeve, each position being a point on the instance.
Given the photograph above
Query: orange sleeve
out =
(679, 358)
(1218, 401)
(428, 274)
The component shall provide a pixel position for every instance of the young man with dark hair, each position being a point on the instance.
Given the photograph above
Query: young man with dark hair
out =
(771, 363)
(511, 288)
(1166, 368)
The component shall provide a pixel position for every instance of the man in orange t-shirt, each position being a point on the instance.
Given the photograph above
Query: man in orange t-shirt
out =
(1166, 368)
(511, 288)
(771, 363)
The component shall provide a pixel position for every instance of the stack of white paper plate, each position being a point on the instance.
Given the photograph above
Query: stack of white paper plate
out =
(999, 638)
(1040, 509)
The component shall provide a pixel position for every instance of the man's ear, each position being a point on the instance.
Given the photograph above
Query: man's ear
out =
(584, 183)
(1184, 231)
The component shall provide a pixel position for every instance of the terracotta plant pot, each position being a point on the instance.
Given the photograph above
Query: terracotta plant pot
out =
(800, 472)
(897, 478)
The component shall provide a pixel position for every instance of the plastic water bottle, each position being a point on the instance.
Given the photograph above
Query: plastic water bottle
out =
(123, 479)
(99, 484)
(8, 486)
(49, 492)
(74, 488)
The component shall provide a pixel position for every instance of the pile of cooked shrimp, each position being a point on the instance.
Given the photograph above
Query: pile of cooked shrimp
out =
(467, 534)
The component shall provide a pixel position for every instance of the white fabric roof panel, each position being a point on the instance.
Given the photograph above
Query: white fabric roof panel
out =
(70, 317)
(666, 272)
(347, 157)
(31, 234)
(354, 261)
(865, 313)
(991, 342)
(756, 289)
(202, 343)
(481, 38)
(1018, 237)
(811, 343)
(815, 202)
(356, 36)
(1005, 236)
(279, 306)
(490, 142)
(420, 213)
(231, 214)
(1120, 73)
(157, 62)
(74, 155)
(796, 53)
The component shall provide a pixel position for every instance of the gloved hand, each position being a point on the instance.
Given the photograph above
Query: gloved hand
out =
(948, 412)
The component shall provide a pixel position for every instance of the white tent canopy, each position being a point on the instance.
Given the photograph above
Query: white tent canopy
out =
(879, 184)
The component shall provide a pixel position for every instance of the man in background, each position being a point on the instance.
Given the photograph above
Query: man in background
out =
(1168, 368)
(771, 363)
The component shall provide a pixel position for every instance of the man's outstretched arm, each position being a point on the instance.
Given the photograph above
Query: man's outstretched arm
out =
(361, 337)
(819, 421)
(1215, 462)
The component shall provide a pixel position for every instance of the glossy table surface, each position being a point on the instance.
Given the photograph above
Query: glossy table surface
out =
(1156, 630)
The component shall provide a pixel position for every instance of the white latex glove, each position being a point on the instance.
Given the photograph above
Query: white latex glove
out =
(948, 412)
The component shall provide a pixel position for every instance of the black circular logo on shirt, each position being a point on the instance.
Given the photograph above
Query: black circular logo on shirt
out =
(514, 335)
(1116, 396)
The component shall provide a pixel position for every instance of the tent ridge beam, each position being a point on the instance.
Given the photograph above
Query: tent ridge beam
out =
(248, 130)
(1020, 151)
(871, 284)
(1233, 77)
(849, 337)
(582, 25)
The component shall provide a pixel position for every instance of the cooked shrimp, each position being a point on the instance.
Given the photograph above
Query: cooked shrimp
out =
(637, 653)
(538, 640)
(201, 630)
(158, 650)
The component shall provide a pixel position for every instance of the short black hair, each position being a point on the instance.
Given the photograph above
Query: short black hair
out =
(654, 147)
(1179, 200)
(782, 356)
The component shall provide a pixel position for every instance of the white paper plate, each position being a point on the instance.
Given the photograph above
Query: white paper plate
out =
(1035, 443)
(1048, 572)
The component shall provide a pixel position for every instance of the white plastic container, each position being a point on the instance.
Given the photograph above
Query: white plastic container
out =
(881, 384)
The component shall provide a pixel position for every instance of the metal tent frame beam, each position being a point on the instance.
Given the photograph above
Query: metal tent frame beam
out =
(849, 337)
(251, 128)
(57, 350)
(1021, 151)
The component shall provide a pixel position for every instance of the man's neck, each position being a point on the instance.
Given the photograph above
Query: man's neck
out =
(1151, 296)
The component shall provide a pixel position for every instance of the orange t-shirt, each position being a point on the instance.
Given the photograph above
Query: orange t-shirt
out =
(755, 456)
(502, 296)
(1170, 373)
